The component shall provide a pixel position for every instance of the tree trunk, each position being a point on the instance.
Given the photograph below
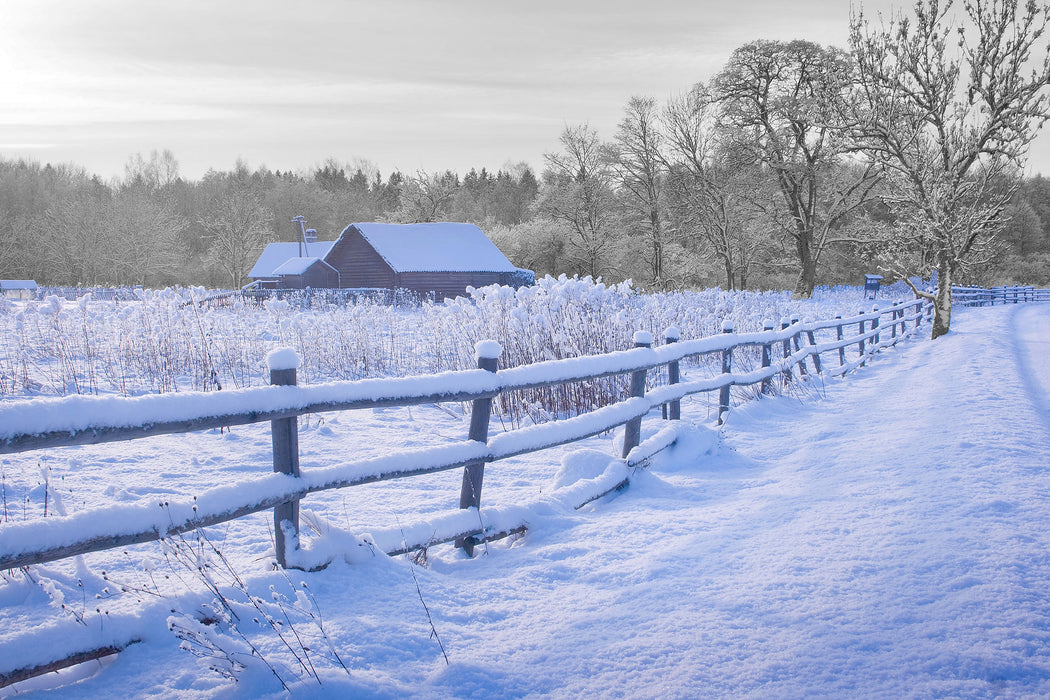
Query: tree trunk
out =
(807, 276)
(942, 307)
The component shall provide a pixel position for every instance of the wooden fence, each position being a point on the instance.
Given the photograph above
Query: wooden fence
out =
(785, 354)
(985, 296)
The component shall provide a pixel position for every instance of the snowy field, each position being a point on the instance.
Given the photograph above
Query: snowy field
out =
(880, 536)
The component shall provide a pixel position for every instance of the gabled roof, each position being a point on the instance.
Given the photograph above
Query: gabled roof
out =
(442, 247)
(298, 266)
(277, 254)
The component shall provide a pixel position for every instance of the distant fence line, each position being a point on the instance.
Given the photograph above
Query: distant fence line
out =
(989, 296)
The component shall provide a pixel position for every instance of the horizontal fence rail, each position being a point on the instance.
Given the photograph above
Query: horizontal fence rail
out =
(785, 354)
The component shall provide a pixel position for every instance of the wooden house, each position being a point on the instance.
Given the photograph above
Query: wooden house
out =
(442, 259)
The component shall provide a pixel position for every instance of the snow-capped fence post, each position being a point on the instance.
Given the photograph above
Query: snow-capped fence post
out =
(816, 354)
(284, 434)
(784, 323)
(893, 321)
(673, 408)
(838, 336)
(632, 431)
(727, 367)
(767, 359)
(487, 353)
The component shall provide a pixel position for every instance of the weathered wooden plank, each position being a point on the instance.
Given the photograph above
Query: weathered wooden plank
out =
(633, 429)
(284, 436)
(95, 436)
(474, 472)
(24, 674)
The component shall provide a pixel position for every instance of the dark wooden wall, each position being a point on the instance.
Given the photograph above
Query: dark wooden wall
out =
(358, 263)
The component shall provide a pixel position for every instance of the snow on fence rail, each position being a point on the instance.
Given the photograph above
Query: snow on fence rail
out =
(982, 296)
(79, 420)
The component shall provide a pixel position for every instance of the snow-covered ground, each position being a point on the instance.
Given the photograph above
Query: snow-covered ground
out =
(883, 535)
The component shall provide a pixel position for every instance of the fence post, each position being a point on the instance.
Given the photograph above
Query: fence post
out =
(767, 360)
(860, 345)
(674, 410)
(816, 354)
(796, 339)
(893, 321)
(487, 353)
(875, 327)
(632, 432)
(727, 367)
(838, 336)
(784, 323)
(284, 434)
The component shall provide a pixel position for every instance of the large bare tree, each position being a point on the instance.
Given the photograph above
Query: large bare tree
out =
(949, 107)
(781, 102)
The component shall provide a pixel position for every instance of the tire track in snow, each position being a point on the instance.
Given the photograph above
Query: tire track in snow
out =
(1030, 341)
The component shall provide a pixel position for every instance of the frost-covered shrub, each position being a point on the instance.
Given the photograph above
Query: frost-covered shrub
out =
(167, 341)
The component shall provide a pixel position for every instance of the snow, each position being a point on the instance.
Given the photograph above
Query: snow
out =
(436, 247)
(295, 266)
(487, 349)
(276, 254)
(282, 358)
(642, 338)
(17, 285)
(879, 535)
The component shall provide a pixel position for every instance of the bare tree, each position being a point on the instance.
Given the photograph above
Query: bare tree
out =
(427, 198)
(781, 103)
(237, 223)
(142, 231)
(951, 120)
(577, 190)
(710, 193)
(639, 165)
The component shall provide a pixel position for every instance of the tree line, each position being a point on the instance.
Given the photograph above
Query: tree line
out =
(795, 165)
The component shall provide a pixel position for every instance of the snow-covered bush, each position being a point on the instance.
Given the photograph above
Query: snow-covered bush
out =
(167, 341)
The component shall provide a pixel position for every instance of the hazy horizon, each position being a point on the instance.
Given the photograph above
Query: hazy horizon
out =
(410, 86)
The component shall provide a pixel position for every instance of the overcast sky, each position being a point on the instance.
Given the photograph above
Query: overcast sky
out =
(406, 84)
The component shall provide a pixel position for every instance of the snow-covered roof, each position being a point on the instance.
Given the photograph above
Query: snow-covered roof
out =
(17, 284)
(296, 266)
(277, 254)
(439, 247)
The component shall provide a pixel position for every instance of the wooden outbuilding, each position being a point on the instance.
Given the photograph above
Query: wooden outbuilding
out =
(441, 259)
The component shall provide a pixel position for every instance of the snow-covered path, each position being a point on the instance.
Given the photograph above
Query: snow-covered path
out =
(886, 540)
(882, 536)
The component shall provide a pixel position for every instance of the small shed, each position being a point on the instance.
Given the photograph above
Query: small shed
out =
(18, 289)
(300, 273)
(264, 272)
(871, 286)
